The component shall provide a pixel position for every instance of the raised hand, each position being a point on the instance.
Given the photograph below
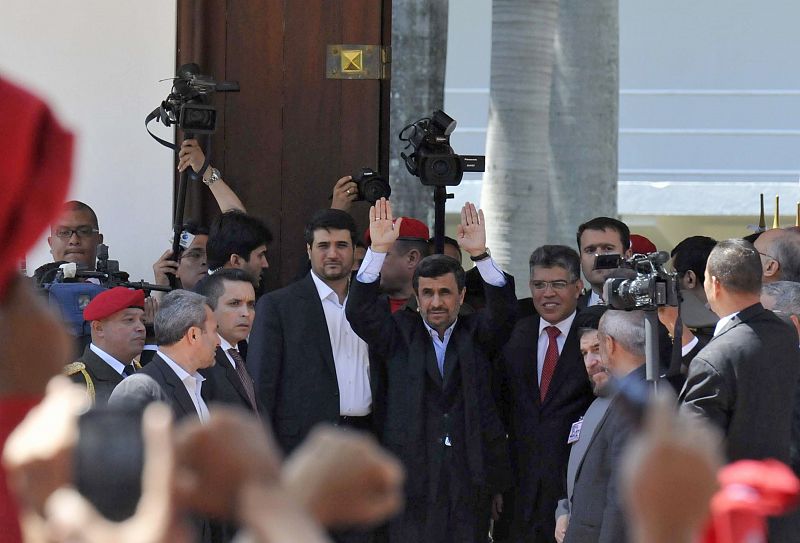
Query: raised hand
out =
(472, 230)
(383, 231)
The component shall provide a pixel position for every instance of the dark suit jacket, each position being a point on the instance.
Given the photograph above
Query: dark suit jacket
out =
(291, 360)
(104, 377)
(744, 382)
(421, 406)
(179, 399)
(596, 510)
(223, 384)
(538, 431)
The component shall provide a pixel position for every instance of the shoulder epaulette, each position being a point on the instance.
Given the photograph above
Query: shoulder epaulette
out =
(80, 367)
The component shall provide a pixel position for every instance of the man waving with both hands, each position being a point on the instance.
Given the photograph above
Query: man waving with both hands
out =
(438, 416)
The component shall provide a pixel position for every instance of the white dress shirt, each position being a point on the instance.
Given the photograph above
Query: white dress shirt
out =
(115, 364)
(440, 345)
(193, 383)
(594, 299)
(350, 354)
(723, 321)
(544, 340)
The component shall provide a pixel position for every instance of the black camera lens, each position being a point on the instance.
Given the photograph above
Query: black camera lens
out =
(371, 185)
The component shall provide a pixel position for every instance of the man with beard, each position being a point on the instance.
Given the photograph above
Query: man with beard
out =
(118, 333)
(309, 365)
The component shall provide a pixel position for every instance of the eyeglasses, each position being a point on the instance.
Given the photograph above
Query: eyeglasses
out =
(768, 256)
(556, 285)
(81, 232)
(194, 254)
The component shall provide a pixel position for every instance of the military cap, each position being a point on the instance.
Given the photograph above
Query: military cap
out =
(112, 300)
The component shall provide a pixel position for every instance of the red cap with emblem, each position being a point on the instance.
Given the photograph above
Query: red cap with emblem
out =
(110, 301)
(410, 229)
(640, 245)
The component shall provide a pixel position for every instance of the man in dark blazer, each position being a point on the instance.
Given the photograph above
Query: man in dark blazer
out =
(440, 418)
(745, 379)
(544, 391)
(311, 366)
(118, 335)
(594, 501)
(186, 332)
(231, 295)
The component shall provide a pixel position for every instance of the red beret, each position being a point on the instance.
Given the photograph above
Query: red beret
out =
(641, 245)
(110, 301)
(411, 229)
(36, 163)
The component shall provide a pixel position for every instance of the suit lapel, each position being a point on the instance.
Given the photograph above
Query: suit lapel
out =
(528, 359)
(592, 421)
(311, 306)
(596, 432)
(178, 390)
(231, 374)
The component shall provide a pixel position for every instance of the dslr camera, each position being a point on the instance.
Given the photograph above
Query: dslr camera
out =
(371, 186)
(433, 159)
(642, 282)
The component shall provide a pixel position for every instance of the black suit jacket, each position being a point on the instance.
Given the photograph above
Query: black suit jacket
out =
(291, 360)
(538, 431)
(104, 377)
(224, 386)
(418, 399)
(744, 382)
(181, 402)
(596, 511)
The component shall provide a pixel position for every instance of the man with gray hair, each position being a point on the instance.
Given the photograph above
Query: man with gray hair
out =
(595, 502)
(186, 333)
(779, 249)
(783, 299)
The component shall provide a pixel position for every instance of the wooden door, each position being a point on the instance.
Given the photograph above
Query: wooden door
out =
(290, 133)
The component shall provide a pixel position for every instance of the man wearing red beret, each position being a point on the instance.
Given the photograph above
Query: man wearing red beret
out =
(118, 334)
(401, 261)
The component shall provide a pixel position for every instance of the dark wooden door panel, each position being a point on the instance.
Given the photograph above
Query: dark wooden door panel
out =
(290, 133)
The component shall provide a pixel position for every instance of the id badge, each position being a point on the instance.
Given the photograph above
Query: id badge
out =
(575, 431)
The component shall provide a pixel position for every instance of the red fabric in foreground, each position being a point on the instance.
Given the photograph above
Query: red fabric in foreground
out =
(36, 161)
(751, 491)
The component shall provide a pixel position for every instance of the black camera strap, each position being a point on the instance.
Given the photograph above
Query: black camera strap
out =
(156, 114)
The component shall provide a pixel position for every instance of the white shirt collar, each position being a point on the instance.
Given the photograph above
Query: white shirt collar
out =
(225, 345)
(115, 364)
(179, 371)
(564, 325)
(447, 333)
(594, 299)
(325, 292)
(723, 322)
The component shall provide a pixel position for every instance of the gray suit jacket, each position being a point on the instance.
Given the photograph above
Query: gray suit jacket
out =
(744, 382)
(596, 510)
(591, 422)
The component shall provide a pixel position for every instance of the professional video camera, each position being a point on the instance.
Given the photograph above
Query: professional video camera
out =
(646, 283)
(433, 159)
(188, 105)
(70, 288)
(371, 186)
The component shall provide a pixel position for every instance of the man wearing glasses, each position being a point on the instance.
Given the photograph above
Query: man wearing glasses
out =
(544, 381)
(76, 235)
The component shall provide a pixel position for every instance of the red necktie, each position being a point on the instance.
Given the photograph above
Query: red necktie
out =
(550, 359)
(244, 377)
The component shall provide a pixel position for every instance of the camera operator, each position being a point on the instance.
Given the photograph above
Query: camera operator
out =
(118, 335)
(191, 266)
(74, 237)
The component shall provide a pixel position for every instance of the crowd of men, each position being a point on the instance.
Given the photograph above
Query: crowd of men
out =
(510, 415)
